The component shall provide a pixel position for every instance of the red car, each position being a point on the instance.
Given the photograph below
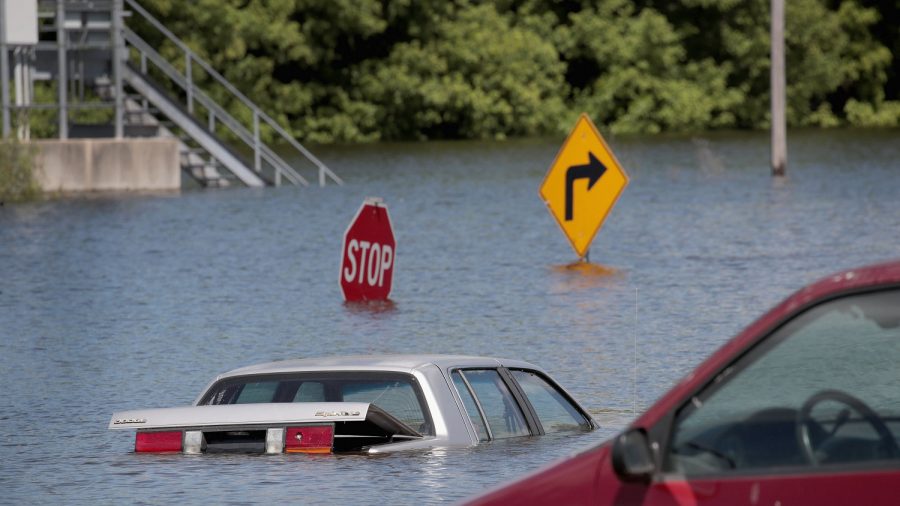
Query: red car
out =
(802, 407)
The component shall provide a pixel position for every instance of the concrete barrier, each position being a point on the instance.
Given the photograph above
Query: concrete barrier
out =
(77, 165)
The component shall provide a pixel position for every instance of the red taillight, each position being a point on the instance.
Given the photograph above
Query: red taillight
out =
(310, 439)
(158, 441)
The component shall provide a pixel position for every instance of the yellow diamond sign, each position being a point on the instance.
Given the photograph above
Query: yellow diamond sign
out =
(583, 184)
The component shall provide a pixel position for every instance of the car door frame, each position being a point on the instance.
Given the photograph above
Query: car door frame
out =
(532, 420)
(525, 407)
(660, 434)
(557, 387)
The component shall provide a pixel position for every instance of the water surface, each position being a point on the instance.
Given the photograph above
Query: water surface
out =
(126, 301)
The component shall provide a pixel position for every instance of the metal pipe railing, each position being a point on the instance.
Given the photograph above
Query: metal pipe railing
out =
(4, 83)
(118, 53)
(258, 114)
(213, 107)
(188, 75)
(61, 63)
(261, 150)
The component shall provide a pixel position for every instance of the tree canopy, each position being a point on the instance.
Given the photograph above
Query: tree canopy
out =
(365, 70)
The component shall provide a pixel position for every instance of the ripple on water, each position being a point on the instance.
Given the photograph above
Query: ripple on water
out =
(118, 302)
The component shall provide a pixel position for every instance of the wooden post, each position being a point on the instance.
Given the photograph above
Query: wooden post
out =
(779, 129)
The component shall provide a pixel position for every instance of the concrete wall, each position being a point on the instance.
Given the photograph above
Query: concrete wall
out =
(76, 165)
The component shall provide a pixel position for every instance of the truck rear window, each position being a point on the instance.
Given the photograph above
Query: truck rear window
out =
(396, 393)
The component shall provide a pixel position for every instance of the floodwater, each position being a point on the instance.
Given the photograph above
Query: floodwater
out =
(127, 301)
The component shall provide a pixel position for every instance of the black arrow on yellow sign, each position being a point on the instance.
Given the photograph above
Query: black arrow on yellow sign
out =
(593, 170)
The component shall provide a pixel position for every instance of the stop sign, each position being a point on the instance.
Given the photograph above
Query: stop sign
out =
(367, 256)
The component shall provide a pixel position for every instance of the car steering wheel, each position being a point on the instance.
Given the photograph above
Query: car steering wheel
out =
(803, 417)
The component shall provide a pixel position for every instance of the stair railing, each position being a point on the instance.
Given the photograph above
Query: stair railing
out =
(261, 151)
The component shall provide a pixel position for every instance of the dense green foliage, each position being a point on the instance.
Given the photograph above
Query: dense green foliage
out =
(17, 172)
(362, 70)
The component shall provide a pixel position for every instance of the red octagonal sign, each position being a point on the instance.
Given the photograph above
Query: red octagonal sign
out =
(367, 257)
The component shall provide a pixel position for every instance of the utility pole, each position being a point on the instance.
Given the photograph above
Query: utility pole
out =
(779, 129)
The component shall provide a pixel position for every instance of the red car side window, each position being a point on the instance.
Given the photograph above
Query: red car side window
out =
(820, 391)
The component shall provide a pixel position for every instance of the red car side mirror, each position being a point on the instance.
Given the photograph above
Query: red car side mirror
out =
(632, 458)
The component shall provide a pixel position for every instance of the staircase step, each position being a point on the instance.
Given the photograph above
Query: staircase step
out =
(171, 109)
(150, 110)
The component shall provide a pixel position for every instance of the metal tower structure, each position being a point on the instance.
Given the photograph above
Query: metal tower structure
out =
(90, 50)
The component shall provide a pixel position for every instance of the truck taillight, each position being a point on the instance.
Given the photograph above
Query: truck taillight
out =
(309, 439)
(169, 441)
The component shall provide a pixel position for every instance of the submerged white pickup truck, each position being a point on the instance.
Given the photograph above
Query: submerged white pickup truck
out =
(367, 404)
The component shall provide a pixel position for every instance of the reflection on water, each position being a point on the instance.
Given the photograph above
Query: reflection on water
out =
(581, 275)
(587, 270)
(117, 302)
(370, 306)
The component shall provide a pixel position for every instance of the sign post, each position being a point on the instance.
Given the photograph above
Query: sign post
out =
(777, 80)
(368, 254)
(582, 185)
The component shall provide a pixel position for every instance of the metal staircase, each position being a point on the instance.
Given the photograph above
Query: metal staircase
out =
(174, 98)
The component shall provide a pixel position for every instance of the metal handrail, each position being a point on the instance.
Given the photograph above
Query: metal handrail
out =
(211, 105)
(224, 117)
(191, 57)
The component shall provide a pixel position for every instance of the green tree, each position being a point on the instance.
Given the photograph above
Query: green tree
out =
(644, 80)
(364, 70)
(831, 54)
(18, 181)
(478, 75)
